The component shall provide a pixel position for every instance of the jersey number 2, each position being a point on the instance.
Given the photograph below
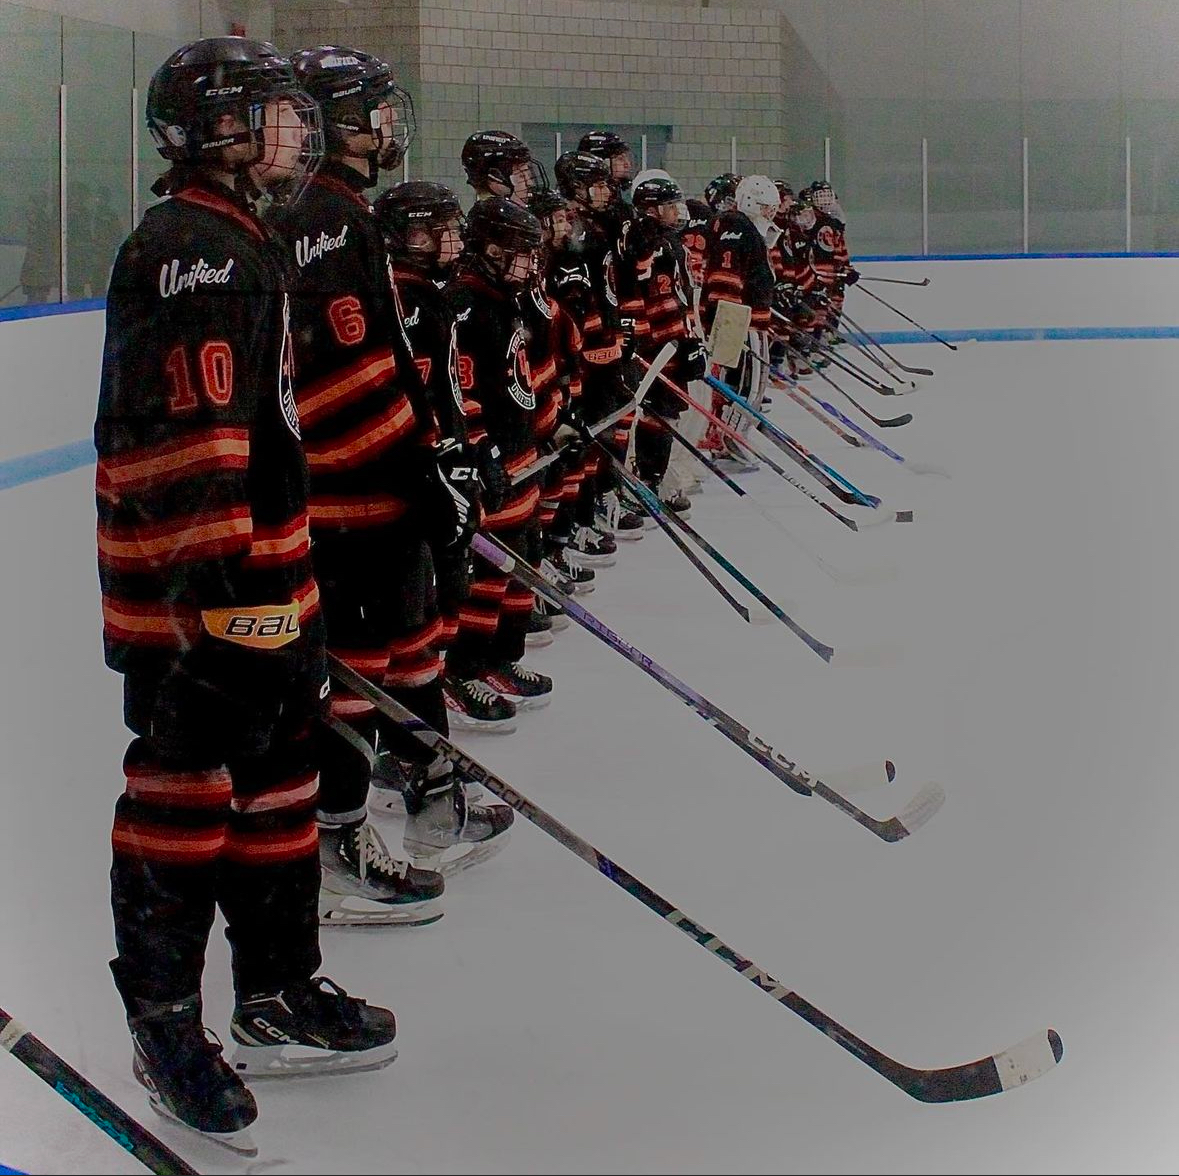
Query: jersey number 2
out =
(215, 361)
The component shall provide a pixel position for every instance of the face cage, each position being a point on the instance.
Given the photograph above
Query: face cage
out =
(405, 128)
(279, 190)
(622, 169)
(823, 199)
(520, 184)
(804, 218)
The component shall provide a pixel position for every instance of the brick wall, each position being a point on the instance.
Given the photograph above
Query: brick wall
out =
(708, 73)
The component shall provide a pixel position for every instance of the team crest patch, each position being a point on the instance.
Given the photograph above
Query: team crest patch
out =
(520, 377)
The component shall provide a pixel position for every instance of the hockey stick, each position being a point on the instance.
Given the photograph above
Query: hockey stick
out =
(915, 814)
(745, 443)
(660, 518)
(881, 422)
(831, 478)
(997, 1072)
(907, 319)
(838, 576)
(893, 281)
(836, 361)
(892, 359)
(784, 380)
(657, 365)
(655, 508)
(108, 1117)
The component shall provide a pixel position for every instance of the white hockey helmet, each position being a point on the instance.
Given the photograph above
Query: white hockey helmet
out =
(651, 173)
(757, 198)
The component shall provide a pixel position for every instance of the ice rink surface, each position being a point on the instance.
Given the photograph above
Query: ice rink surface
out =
(1027, 657)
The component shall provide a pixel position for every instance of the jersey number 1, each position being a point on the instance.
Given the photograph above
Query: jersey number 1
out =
(215, 360)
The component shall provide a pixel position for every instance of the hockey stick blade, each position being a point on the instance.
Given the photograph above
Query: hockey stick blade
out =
(1017, 1066)
(919, 811)
(992, 1075)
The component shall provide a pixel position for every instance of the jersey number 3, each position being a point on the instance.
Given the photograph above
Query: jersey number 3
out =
(215, 361)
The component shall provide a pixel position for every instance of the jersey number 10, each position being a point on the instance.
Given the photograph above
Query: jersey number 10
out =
(215, 361)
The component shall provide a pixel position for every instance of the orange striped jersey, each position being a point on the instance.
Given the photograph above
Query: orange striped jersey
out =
(791, 259)
(829, 253)
(201, 483)
(363, 408)
(543, 340)
(495, 370)
(665, 287)
(736, 269)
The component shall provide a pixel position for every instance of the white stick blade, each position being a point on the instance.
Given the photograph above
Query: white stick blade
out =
(922, 807)
(1029, 1059)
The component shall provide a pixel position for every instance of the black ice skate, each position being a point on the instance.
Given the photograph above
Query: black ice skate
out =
(556, 569)
(363, 885)
(445, 833)
(526, 688)
(393, 776)
(615, 521)
(540, 630)
(179, 1062)
(555, 613)
(590, 548)
(310, 1028)
(471, 706)
(678, 502)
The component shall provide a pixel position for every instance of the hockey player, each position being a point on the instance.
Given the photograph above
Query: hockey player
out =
(383, 489)
(585, 181)
(422, 223)
(497, 163)
(611, 147)
(210, 608)
(831, 260)
(720, 194)
(665, 287)
(737, 269)
(498, 261)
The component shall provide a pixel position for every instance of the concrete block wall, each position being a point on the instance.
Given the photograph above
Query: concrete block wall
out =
(708, 73)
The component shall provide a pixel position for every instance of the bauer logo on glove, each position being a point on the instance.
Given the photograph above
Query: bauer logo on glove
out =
(261, 626)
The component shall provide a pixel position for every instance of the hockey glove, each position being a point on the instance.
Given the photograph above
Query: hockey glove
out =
(691, 359)
(492, 474)
(460, 479)
(850, 276)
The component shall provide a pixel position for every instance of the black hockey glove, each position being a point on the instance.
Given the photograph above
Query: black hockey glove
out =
(492, 474)
(691, 359)
(460, 479)
(850, 276)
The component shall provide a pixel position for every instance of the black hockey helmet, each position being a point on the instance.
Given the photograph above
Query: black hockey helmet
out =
(543, 205)
(578, 171)
(499, 157)
(651, 193)
(499, 234)
(418, 204)
(351, 88)
(206, 79)
(698, 212)
(614, 149)
(721, 193)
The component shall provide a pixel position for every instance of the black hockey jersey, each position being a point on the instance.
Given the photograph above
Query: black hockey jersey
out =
(429, 326)
(736, 269)
(364, 412)
(495, 374)
(201, 482)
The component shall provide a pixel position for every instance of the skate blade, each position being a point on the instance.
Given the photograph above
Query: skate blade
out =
(528, 703)
(581, 560)
(336, 910)
(472, 853)
(538, 640)
(628, 535)
(241, 1142)
(306, 1061)
(481, 726)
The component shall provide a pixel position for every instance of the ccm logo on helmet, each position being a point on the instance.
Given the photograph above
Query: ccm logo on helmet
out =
(223, 90)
